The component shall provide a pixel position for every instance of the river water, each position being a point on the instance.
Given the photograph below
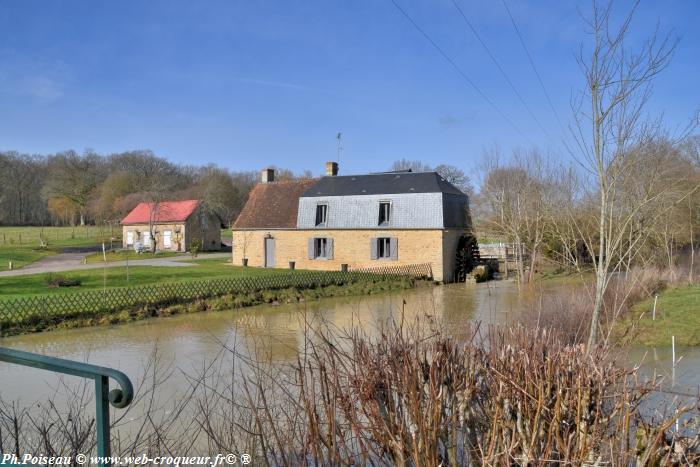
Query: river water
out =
(186, 343)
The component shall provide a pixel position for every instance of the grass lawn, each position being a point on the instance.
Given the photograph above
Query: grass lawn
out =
(677, 314)
(22, 245)
(56, 236)
(17, 286)
(564, 278)
(21, 256)
(121, 255)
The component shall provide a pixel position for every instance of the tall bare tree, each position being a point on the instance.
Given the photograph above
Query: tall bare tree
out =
(608, 123)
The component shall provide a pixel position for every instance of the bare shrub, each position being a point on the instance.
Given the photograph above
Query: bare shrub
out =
(404, 394)
(509, 396)
(564, 311)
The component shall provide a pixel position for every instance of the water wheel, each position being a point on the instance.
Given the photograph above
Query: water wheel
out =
(467, 257)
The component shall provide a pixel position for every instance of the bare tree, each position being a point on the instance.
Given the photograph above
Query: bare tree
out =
(74, 177)
(457, 177)
(517, 195)
(21, 179)
(618, 85)
(414, 165)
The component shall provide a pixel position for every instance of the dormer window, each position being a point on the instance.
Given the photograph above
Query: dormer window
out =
(321, 215)
(384, 213)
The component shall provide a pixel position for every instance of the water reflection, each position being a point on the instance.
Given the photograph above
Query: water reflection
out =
(272, 333)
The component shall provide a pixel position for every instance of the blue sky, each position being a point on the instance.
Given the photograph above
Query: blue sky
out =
(244, 84)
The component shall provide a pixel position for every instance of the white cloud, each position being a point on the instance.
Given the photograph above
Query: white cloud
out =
(43, 89)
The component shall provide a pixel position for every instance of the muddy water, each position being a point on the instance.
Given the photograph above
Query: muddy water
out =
(184, 344)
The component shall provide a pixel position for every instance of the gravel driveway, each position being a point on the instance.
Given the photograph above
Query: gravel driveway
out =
(74, 262)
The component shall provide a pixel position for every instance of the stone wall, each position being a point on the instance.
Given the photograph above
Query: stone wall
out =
(177, 238)
(202, 226)
(351, 247)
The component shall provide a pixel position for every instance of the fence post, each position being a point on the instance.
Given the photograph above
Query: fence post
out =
(102, 418)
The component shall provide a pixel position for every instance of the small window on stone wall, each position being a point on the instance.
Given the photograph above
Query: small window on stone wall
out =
(320, 248)
(384, 248)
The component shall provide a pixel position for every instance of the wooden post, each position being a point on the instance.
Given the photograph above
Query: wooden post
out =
(653, 312)
(673, 357)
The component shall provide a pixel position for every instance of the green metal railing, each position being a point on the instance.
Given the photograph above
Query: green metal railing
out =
(119, 397)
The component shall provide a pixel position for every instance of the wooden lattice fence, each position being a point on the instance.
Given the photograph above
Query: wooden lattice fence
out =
(94, 302)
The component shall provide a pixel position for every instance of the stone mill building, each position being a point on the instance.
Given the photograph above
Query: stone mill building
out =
(354, 221)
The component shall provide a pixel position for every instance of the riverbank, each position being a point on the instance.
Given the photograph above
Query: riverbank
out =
(677, 315)
(121, 305)
(230, 302)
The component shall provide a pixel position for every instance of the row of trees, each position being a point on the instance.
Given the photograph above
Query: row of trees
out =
(69, 188)
(630, 196)
(552, 211)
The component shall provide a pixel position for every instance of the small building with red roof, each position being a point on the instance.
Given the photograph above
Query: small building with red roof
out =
(171, 226)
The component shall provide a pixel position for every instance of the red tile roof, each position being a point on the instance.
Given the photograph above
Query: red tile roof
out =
(167, 211)
(273, 205)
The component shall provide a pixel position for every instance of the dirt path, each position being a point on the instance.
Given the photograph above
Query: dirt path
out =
(74, 262)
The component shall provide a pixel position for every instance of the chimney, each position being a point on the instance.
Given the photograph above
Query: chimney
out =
(268, 175)
(331, 169)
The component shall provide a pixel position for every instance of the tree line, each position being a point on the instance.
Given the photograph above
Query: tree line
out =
(70, 188)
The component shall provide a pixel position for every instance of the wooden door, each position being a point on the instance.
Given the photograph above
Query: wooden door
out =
(269, 252)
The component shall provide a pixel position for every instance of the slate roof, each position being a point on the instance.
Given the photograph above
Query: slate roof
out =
(272, 205)
(386, 183)
(168, 211)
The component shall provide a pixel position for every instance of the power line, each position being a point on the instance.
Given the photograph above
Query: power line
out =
(460, 71)
(532, 64)
(498, 65)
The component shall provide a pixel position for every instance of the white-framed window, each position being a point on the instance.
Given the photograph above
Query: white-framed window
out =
(320, 248)
(129, 238)
(168, 239)
(321, 215)
(384, 213)
(147, 238)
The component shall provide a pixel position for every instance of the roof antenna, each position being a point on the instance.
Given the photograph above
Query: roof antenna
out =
(339, 137)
